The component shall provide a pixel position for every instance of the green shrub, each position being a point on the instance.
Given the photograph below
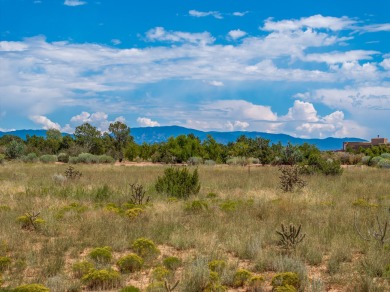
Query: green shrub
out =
(217, 266)
(196, 206)
(156, 287)
(366, 160)
(385, 155)
(160, 273)
(31, 157)
(287, 278)
(178, 182)
(80, 269)
(5, 262)
(30, 221)
(241, 277)
(14, 150)
(101, 254)
(87, 158)
(212, 195)
(195, 161)
(102, 193)
(48, 158)
(172, 263)
(229, 205)
(145, 248)
(237, 161)
(384, 163)
(59, 179)
(73, 159)
(63, 157)
(130, 263)
(256, 282)
(31, 288)
(374, 161)
(106, 159)
(102, 279)
(209, 162)
(331, 167)
(285, 288)
(134, 212)
(290, 178)
(2, 158)
(130, 289)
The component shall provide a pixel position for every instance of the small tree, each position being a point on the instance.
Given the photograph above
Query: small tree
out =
(178, 183)
(14, 150)
(121, 134)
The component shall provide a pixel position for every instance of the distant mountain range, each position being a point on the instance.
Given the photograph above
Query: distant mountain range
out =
(161, 134)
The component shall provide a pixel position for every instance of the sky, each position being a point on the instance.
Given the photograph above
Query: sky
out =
(310, 69)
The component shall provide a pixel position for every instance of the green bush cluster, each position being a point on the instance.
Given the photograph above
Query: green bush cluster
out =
(145, 248)
(286, 281)
(31, 157)
(160, 273)
(130, 289)
(31, 288)
(48, 158)
(5, 263)
(241, 277)
(172, 263)
(101, 254)
(130, 263)
(89, 158)
(102, 279)
(195, 161)
(178, 182)
(80, 269)
(63, 157)
(196, 206)
(29, 222)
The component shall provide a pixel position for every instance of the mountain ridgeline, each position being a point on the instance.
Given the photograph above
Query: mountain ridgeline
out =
(152, 135)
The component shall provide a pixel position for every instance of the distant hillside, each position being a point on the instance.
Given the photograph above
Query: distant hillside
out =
(161, 134)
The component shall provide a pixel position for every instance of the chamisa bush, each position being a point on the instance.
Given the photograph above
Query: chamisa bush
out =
(48, 158)
(31, 288)
(178, 182)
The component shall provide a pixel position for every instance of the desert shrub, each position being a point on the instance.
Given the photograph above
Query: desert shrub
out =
(63, 157)
(209, 162)
(160, 273)
(102, 279)
(14, 150)
(178, 182)
(72, 173)
(5, 263)
(101, 254)
(195, 161)
(241, 277)
(30, 221)
(229, 205)
(59, 179)
(80, 269)
(73, 159)
(385, 155)
(145, 248)
(252, 160)
(102, 193)
(31, 288)
(134, 212)
(366, 160)
(172, 263)
(196, 206)
(106, 159)
(374, 161)
(130, 263)
(130, 289)
(286, 278)
(285, 288)
(212, 195)
(156, 286)
(2, 158)
(331, 167)
(290, 178)
(196, 276)
(48, 158)
(384, 163)
(237, 161)
(217, 266)
(256, 282)
(31, 157)
(88, 158)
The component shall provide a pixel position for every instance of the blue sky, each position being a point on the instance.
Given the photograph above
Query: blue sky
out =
(295, 67)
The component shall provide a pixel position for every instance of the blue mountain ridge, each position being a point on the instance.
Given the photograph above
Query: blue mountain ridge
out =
(161, 134)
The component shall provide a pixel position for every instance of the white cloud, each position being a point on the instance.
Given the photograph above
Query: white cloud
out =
(316, 21)
(97, 119)
(160, 34)
(236, 126)
(146, 122)
(385, 64)
(216, 83)
(341, 57)
(12, 46)
(116, 42)
(74, 2)
(375, 27)
(236, 34)
(45, 122)
(240, 14)
(196, 13)
(301, 111)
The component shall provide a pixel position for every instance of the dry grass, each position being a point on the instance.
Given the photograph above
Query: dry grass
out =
(238, 226)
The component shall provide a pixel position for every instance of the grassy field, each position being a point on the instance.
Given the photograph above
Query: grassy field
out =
(234, 220)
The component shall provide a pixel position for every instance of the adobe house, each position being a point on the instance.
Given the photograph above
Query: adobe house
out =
(374, 142)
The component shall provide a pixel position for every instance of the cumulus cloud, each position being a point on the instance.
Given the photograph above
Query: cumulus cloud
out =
(97, 119)
(341, 57)
(236, 34)
(6, 46)
(45, 123)
(74, 3)
(301, 111)
(196, 13)
(240, 14)
(160, 34)
(236, 126)
(146, 122)
(316, 21)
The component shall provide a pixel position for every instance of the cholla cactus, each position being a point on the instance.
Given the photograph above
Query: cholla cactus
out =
(290, 236)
